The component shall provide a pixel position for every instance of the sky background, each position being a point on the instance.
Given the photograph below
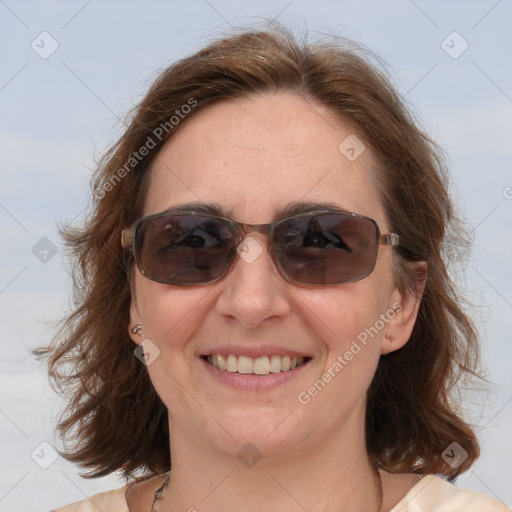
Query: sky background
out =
(61, 110)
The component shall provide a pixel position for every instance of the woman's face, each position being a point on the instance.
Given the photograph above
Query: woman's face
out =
(252, 157)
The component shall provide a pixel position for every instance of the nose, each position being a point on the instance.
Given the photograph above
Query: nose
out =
(253, 290)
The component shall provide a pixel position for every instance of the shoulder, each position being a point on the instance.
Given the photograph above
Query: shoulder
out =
(432, 492)
(136, 495)
(109, 501)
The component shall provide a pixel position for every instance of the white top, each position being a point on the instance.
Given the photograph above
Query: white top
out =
(430, 494)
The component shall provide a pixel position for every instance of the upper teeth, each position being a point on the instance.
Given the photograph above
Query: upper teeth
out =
(256, 365)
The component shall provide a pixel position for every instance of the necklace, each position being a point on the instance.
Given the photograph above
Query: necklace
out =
(381, 493)
(159, 493)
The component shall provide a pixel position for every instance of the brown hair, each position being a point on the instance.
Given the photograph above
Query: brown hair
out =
(114, 419)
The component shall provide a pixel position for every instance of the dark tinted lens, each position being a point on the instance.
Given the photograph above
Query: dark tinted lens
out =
(327, 248)
(184, 249)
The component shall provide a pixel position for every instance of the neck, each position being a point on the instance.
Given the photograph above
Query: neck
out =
(316, 477)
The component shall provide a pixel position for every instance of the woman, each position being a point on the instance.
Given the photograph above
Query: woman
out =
(264, 315)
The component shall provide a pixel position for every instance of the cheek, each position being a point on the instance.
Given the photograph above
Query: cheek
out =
(350, 321)
(170, 315)
(341, 314)
(347, 321)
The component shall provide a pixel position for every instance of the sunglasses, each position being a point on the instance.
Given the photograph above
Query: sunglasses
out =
(319, 248)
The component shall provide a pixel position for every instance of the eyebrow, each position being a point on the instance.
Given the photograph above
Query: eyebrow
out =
(293, 208)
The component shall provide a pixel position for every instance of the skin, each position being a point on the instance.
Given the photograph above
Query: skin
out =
(253, 156)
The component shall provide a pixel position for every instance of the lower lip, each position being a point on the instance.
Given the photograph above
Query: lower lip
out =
(250, 382)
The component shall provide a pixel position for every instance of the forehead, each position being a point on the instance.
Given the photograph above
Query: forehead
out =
(254, 155)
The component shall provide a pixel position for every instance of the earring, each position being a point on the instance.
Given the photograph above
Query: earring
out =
(137, 329)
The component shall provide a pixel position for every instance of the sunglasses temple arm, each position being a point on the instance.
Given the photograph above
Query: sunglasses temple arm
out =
(390, 239)
(127, 238)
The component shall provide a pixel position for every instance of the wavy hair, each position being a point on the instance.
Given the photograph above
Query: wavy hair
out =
(114, 419)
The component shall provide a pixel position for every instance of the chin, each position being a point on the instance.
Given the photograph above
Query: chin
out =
(264, 430)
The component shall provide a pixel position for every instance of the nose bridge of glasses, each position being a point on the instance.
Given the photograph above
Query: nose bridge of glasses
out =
(260, 244)
(247, 229)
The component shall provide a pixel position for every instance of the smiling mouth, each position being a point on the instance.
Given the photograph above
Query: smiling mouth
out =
(255, 365)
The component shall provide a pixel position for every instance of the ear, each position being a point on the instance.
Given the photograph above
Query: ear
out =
(134, 321)
(405, 306)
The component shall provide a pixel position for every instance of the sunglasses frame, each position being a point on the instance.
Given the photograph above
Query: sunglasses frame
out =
(242, 229)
